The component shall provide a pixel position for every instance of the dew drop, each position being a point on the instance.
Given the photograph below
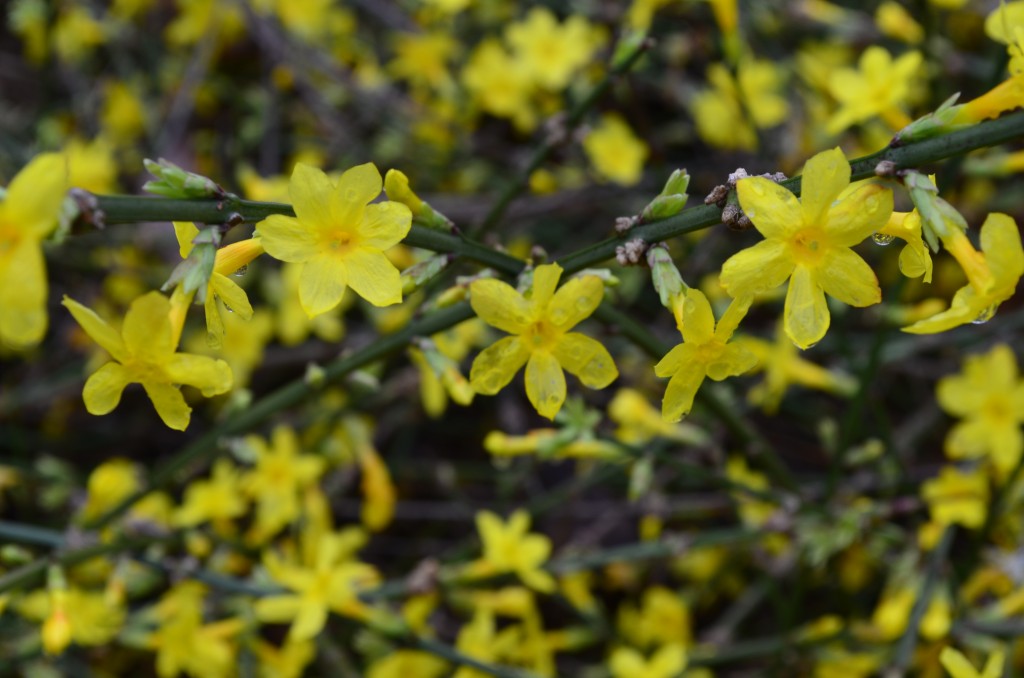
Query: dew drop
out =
(242, 271)
(985, 315)
(751, 214)
(559, 316)
(883, 239)
(757, 188)
(583, 303)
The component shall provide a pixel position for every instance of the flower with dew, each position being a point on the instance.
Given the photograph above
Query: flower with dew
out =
(808, 242)
(992, 274)
(541, 339)
(144, 353)
(915, 259)
(989, 396)
(510, 547)
(28, 213)
(339, 237)
(705, 352)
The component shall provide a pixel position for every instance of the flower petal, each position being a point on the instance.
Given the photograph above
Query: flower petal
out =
(384, 225)
(310, 191)
(1000, 241)
(824, 178)
(682, 389)
(147, 330)
(545, 384)
(965, 307)
(23, 292)
(373, 277)
(169, 404)
(586, 359)
(574, 301)
(772, 208)
(309, 621)
(232, 295)
(698, 318)
(322, 283)
(848, 278)
(287, 238)
(674, 360)
(757, 269)
(806, 313)
(97, 329)
(277, 609)
(185, 232)
(210, 376)
(732, 362)
(499, 305)
(356, 187)
(864, 211)
(36, 194)
(732, 317)
(545, 279)
(495, 366)
(103, 389)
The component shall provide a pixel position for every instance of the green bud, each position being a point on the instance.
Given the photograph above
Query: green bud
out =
(420, 274)
(677, 183)
(665, 276)
(315, 375)
(938, 122)
(662, 207)
(938, 217)
(194, 272)
(175, 182)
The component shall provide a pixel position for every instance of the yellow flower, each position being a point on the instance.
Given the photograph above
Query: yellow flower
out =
(705, 352)
(221, 291)
(508, 547)
(500, 84)
(895, 21)
(218, 499)
(617, 154)
(783, 366)
(91, 165)
(288, 661)
(760, 83)
(992, 274)
(331, 581)
(719, 114)
(144, 353)
(990, 398)
(662, 619)
(28, 213)
(808, 242)
(73, 615)
(915, 259)
(639, 422)
(184, 644)
(551, 53)
(667, 662)
(112, 481)
(879, 87)
(339, 237)
(123, 115)
(408, 664)
(378, 491)
(280, 475)
(76, 33)
(753, 512)
(955, 497)
(422, 58)
(956, 663)
(541, 338)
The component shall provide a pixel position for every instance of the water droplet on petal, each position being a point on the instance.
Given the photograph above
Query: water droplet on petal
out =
(756, 188)
(583, 303)
(751, 214)
(242, 271)
(985, 315)
(559, 316)
(883, 239)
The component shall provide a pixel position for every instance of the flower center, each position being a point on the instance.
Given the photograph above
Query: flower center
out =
(9, 238)
(541, 335)
(808, 246)
(998, 409)
(341, 242)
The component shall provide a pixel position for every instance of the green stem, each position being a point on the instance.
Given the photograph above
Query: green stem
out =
(27, 574)
(544, 151)
(208, 445)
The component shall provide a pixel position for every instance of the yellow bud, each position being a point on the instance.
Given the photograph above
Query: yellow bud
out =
(396, 185)
(56, 631)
